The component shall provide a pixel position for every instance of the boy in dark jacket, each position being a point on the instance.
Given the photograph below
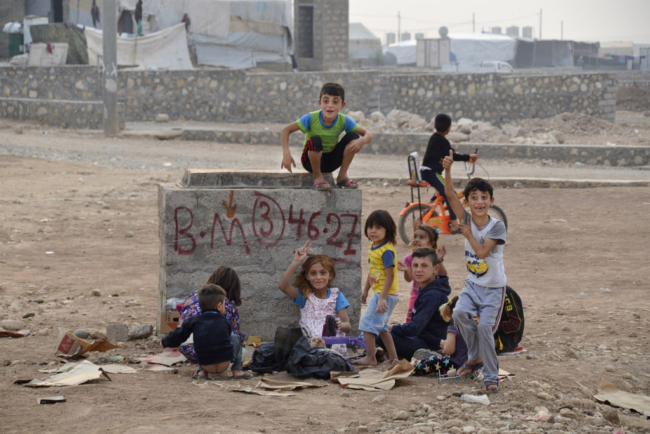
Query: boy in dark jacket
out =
(211, 330)
(427, 328)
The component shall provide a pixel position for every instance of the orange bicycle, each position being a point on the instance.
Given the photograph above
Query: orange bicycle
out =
(434, 214)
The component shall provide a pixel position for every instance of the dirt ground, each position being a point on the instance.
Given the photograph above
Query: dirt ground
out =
(565, 247)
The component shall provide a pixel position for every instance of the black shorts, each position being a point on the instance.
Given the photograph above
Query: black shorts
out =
(329, 161)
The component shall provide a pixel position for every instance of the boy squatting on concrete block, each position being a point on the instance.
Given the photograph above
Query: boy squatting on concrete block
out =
(322, 151)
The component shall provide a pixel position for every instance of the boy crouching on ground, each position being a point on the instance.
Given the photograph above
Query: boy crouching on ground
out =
(322, 151)
(212, 343)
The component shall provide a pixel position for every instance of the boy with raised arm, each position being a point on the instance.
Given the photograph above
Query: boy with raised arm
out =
(485, 286)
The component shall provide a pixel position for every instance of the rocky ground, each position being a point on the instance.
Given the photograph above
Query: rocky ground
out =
(574, 256)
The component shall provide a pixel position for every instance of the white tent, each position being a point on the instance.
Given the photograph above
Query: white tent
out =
(363, 44)
(478, 47)
(166, 49)
(227, 33)
(465, 48)
(404, 51)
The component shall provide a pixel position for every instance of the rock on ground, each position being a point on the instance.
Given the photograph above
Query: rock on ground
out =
(117, 332)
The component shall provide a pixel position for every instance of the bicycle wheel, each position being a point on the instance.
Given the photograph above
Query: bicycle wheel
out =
(498, 214)
(408, 220)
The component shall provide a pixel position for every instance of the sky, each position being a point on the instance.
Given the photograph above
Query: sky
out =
(584, 20)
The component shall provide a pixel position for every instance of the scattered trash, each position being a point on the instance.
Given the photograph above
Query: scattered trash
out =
(167, 164)
(582, 293)
(128, 235)
(117, 332)
(50, 399)
(373, 379)
(169, 357)
(49, 253)
(255, 341)
(516, 185)
(263, 392)
(96, 293)
(114, 359)
(285, 385)
(19, 334)
(75, 374)
(481, 399)
(69, 345)
(607, 291)
(378, 399)
(610, 394)
(541, 416)
(29, 315)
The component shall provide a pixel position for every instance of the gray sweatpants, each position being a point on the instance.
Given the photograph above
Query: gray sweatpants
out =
(488, 302)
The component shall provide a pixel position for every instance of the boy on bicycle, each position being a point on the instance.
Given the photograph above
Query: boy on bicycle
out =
(485, 287)
(437, 149)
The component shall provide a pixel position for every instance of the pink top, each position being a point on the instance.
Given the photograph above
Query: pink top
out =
(415, 287)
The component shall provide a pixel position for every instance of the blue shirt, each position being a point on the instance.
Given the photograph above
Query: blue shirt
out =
(341, 301)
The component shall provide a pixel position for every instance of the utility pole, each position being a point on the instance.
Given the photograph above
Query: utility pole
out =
(562, 30)
(399, 27)
(473, 22)
(540, 23)
(109, 37)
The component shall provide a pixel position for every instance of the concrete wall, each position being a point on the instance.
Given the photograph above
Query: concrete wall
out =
(234, 96)
(275, 214)
(10, 10)
(324, 30)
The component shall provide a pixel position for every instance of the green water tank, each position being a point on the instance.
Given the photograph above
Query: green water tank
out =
(16, 44)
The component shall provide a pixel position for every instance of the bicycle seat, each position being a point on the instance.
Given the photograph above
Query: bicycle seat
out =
(415, 183)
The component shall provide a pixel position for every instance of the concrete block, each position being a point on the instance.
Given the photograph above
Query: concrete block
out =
(254, 222)
(140, 331)
(117, 332)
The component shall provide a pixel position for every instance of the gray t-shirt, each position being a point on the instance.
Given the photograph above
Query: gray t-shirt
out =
(488, 272)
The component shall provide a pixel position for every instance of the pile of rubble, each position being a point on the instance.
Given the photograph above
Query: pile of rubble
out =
(551, 131)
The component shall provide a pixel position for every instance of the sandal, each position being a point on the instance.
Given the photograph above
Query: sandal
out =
(198, 376)
(247, 376)
(321, 185)
(467, 366)
(347, 183)
(487, 385)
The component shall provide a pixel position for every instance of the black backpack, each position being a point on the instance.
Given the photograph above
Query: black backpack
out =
(511, 326)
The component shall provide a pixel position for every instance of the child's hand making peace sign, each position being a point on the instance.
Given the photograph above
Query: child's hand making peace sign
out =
(302, 253)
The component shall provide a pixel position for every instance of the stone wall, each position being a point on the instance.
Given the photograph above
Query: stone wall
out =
(633, 79)
(253, 222)
(60, 114)
(234, 96)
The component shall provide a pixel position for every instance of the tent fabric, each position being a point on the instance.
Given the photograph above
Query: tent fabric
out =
(479, 47)
(359, 32)
(235, 57)
(166, 49)
(246, 41)
(404, 52)
(467, 48)
(58, 32)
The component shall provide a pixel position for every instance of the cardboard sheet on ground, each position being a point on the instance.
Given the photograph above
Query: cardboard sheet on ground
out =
(263, 392)
(118, 369)
(78, 374)
(159, 368)
(616, 397)
(68, 345)
(285, 385)
(375, 380)
(168, 357)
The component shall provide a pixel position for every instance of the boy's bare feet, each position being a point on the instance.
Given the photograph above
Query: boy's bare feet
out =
(366, 361)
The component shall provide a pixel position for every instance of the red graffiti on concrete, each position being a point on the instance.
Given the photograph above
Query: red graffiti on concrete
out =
(269, 225)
